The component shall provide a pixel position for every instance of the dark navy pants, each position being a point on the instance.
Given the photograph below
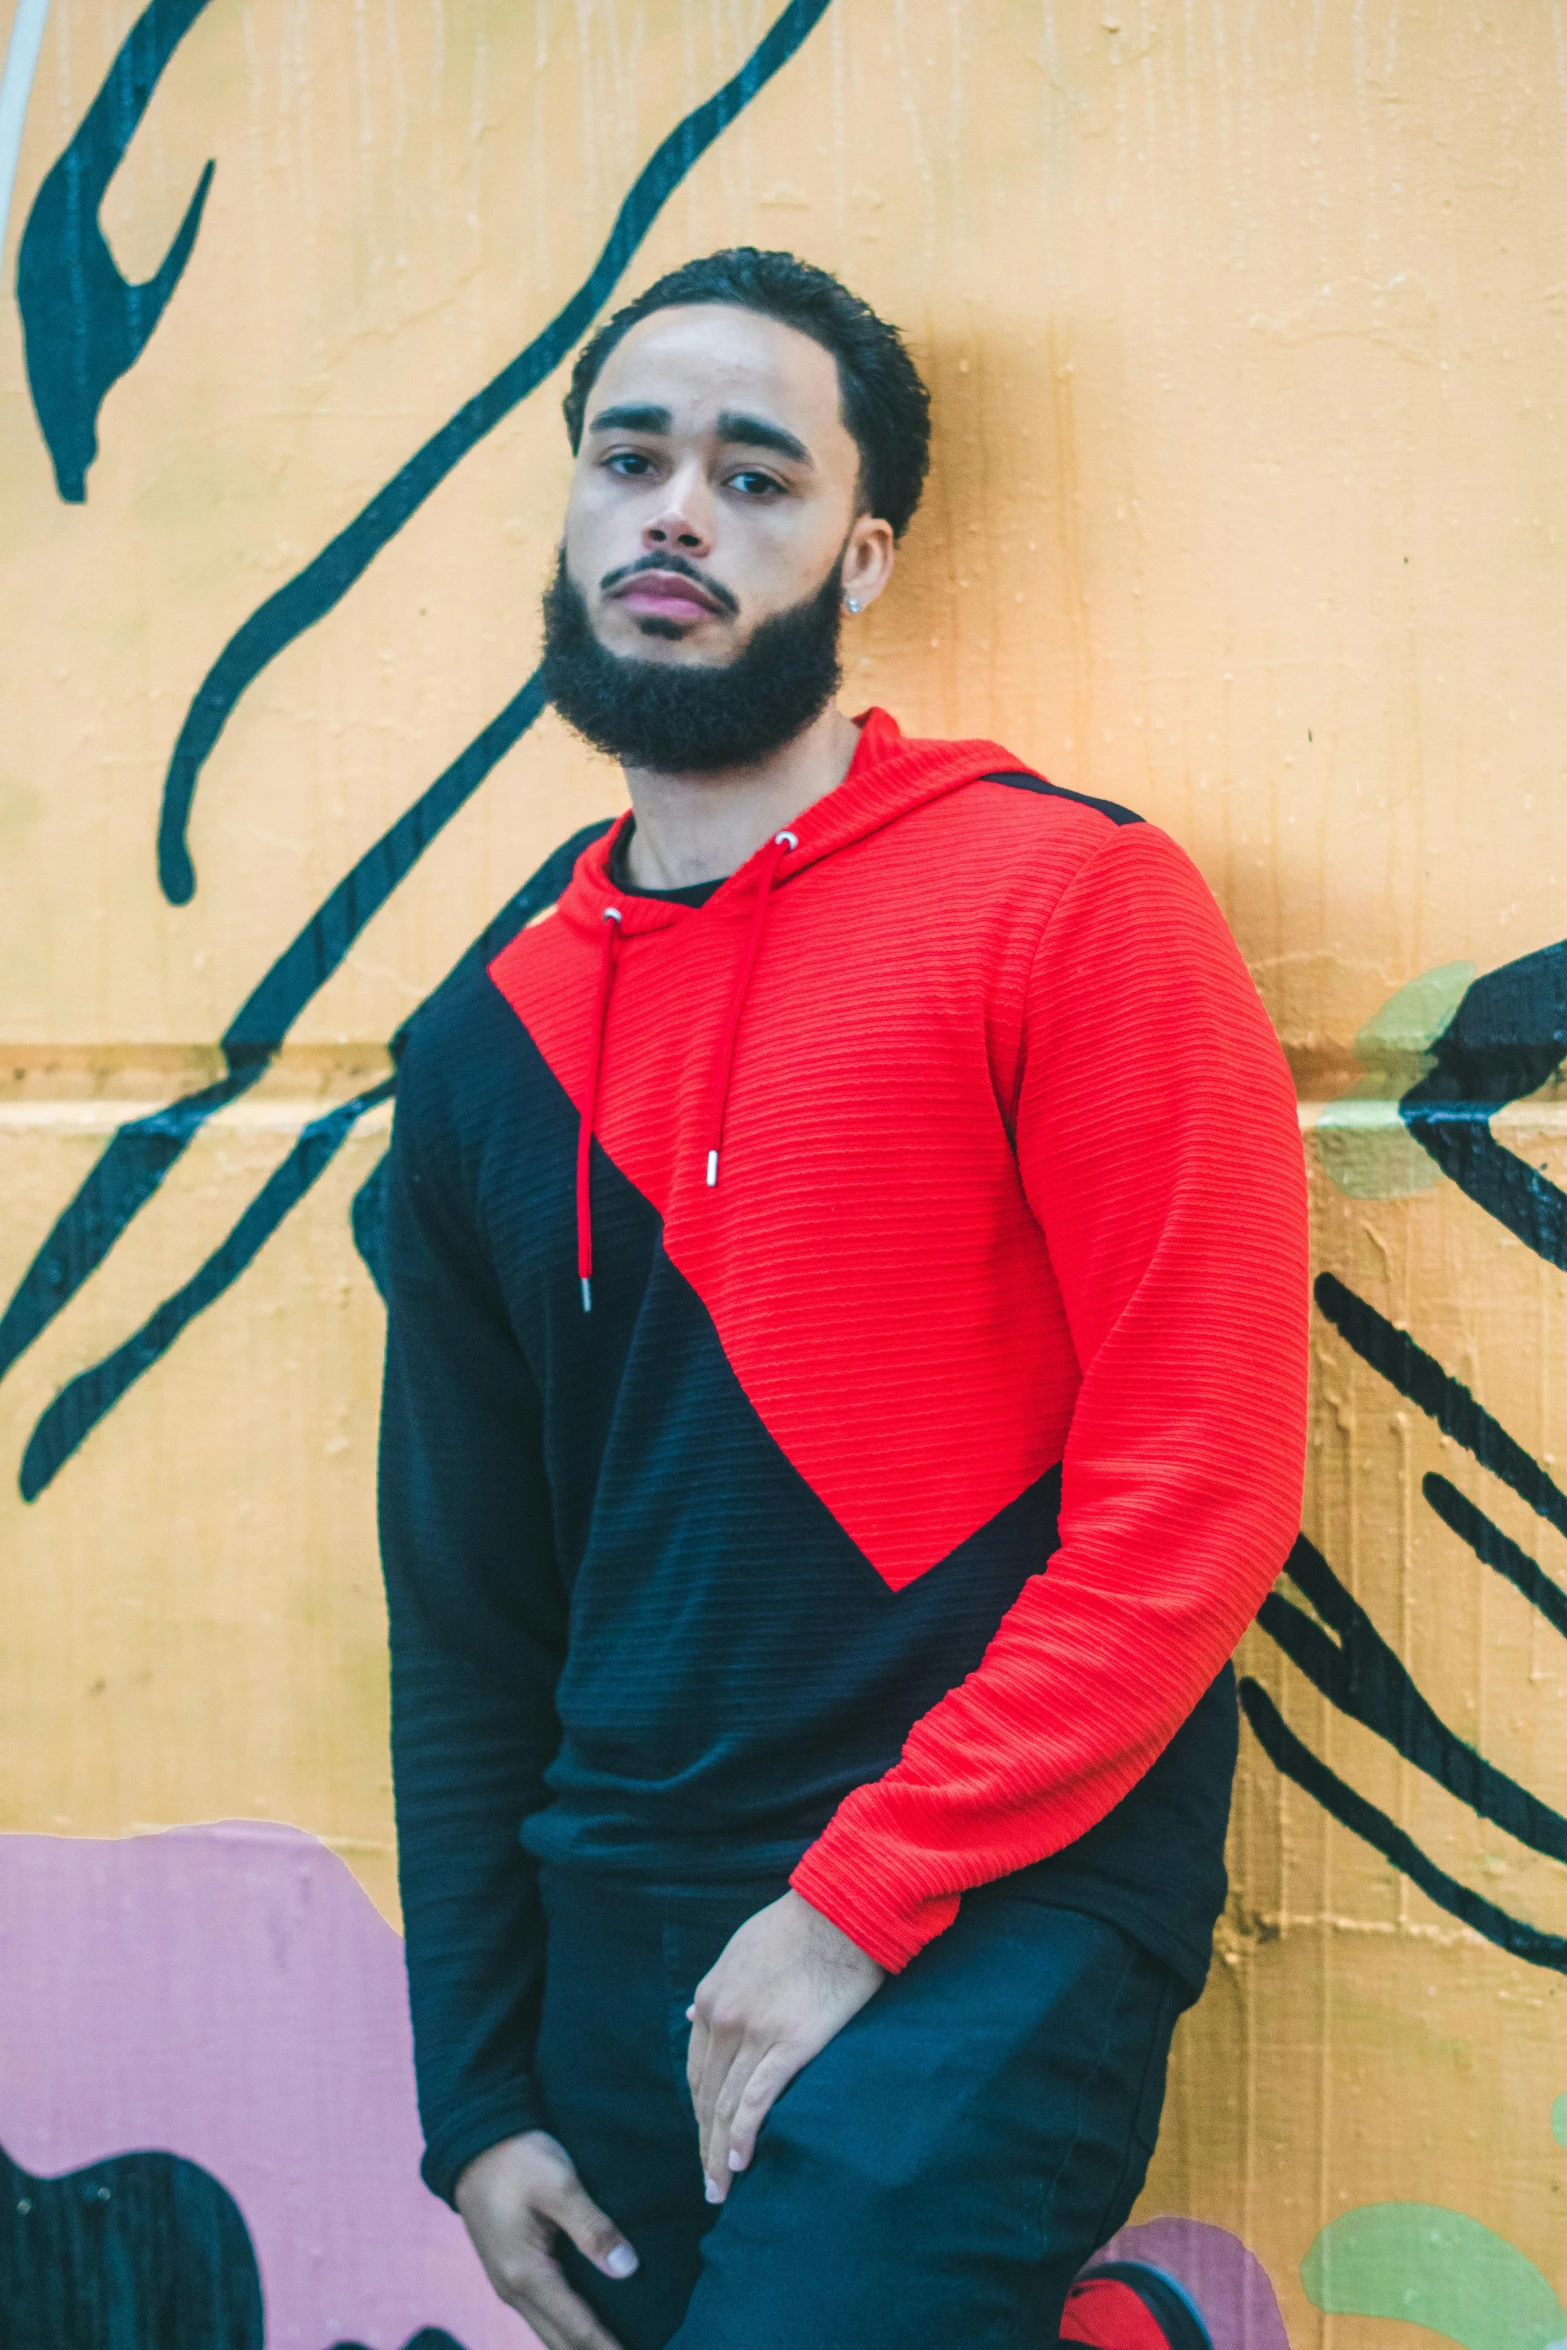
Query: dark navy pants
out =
(933, 2181)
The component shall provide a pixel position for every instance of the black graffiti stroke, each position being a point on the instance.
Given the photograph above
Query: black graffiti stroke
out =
(1497, 1550)
(141, 1155)
(70, 1419)
(84, 1400)
(1440, 1396)
(1506, 1039)
(1286, 1752)
(313, 592)
(1362, 1677)
(1359, 1674)
(144, 2248)
(130, 1170)
(84, 324)
(136, 1162)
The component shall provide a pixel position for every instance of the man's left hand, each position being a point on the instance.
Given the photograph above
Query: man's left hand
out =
(785, 1985)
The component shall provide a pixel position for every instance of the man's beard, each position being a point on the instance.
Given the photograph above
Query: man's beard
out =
(685, 718)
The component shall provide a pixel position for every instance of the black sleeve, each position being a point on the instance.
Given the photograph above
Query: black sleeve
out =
(477, 1622)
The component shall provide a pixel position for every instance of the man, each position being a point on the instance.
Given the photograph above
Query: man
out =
(844, 1403)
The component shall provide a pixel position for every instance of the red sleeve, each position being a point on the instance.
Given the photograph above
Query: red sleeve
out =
(1159, 1148)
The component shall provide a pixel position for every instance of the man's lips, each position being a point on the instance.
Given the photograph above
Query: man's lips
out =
(667, 595)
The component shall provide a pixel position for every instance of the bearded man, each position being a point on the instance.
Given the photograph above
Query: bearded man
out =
(844, 1402)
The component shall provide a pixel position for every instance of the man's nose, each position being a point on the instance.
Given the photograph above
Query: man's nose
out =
(684, 520)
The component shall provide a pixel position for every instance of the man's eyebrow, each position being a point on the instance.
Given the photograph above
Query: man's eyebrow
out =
(754, 432)
(632, 418)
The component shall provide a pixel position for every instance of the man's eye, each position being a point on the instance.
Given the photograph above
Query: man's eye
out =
(754, 485)
(631, 463)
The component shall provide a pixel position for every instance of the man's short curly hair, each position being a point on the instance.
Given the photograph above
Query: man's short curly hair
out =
(885, 404)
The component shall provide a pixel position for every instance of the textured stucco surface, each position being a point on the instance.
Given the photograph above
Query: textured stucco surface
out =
(1246, 328)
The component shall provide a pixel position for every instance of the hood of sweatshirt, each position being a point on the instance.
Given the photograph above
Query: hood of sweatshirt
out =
(889, 776)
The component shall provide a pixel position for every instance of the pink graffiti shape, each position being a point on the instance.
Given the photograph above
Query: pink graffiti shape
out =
(1229, 2284)
(229, 1994)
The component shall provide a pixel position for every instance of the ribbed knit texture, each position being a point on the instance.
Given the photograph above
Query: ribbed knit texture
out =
(1005, 1270)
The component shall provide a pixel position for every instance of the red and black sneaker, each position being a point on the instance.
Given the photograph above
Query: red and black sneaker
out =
(1125, 2305)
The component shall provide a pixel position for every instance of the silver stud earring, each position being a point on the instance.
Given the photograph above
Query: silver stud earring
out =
(851, 603)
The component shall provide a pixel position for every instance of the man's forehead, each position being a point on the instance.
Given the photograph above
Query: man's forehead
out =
(701, 358)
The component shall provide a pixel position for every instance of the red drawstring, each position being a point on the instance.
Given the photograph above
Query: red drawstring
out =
(778, 848)
(589, 1103)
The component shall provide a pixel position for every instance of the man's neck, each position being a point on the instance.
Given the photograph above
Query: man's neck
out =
(694, 828)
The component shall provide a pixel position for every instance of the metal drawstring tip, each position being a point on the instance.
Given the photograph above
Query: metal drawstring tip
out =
(587, 1294)
(712, 1169)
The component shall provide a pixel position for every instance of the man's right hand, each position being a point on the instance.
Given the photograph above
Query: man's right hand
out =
(513, 2199)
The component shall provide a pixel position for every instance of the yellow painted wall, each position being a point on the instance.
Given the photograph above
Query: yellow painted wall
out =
(1245, 326)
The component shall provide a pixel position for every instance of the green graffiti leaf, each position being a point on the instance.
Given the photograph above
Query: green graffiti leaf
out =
(1434, 2268)
(1364, 1145)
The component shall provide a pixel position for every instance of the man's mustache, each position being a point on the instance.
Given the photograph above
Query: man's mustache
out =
(656, 562)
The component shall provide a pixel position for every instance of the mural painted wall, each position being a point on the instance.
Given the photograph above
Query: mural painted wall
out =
(1246, 328)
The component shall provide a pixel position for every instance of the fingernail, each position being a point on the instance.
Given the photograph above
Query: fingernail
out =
(622, 2262)
(713, 2194)
(736, 2159)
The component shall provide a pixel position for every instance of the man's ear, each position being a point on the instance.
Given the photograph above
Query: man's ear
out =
(867, 562)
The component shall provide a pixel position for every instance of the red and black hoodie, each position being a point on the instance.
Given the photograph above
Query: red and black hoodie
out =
(937, 1425)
